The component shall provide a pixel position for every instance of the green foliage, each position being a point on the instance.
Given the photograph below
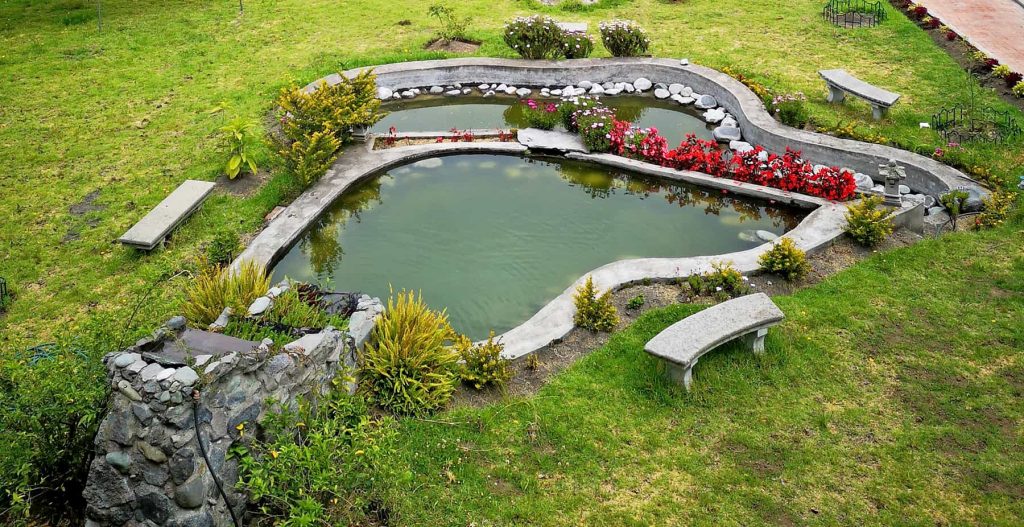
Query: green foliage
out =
(407, 368)
(724, 281)
(869, 222)
(1001, 71)
(594, 312)
(241, 140)
(452, 27)
(223, 248)
(624, 38)
(534, 37)
(636, 302)
(576, 45)
(483, 364)
(790, 110)
(786, 260)
(289, 310)
(541, 115)
(997, 208)
(333, 110)
(1018, 89)
(310, 157)
(595, 127)
(327, 463)
(954, 201)
(567, 110)
(215, 288)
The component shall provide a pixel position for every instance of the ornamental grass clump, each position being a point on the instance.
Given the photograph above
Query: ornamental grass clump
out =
(215, 288)
(869, 222)
(534, 37)
(482, 364)
(594, 312)
(786, 260)
(624, 38)
(407, 368)
(542, 115)
(577, 45)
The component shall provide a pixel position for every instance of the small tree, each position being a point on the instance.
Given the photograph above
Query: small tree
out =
(594, 312)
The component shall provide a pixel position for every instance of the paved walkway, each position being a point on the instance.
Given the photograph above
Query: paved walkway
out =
(993, 26)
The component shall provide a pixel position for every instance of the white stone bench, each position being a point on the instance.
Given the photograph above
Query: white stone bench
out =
(151, 230)
(840, 83)
(683, 343)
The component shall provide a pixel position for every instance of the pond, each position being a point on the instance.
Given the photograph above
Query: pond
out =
(493, 238)
(438, 113)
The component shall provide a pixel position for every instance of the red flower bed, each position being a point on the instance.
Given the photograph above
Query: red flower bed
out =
(698, 155)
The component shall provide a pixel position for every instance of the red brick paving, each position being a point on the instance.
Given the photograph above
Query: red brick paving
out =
(993, 26)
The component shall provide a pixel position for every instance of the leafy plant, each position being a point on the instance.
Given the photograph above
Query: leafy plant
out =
(789, 108)
(594, 312)
(534, 37)
(577, 45)
(452, 27)
(636, 302)
(624, 38)
(407, 368)
(241, 140)
(215, 288)
(532, 362)
(1001, 71)
(785, 259)
(869, 222)
(544, 116)
(310, 157)
(1018, 90)
(954, 201)
(328, 462)
(223, 248)
(997, 207)
(483, 364)
(723, 280)
(570, 105)
(330, 109)
(595, 128)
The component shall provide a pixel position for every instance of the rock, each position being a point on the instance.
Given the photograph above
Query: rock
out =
(762, 156)
(608, 86)
(706, 101)
(260, 305)
(586, 85)
(182, 465)
(547, 140)
(730, 121)
(687, 92)
(597, 89)
(864, 181)
(714, 115)
(165, 374)
(142, 413)
(878, 188)
(613, 91)
(974, 202)
(740, 147)
(155, 506)
(279, 363)
(642, 84)
(904, 189)
(629, 88)
(191, 494)
(675, 88)
(684, 62)
(196, 519)
(121, 461)
(382, 93)
(150, 372)
(747, 236)
(929, 200)
(511, 90)
(436, 90)
(125, 359)
(686, 100)
(151, 452)
(932, 211)
(660, 86)
(453, 93)
(186, 376)
(725, 134)
(202, 359)
(523, 92)
(125, 388)
(661, 93)
(556, 93)
(766, 236)
(484, 87)
(136, 366)
(176, 323)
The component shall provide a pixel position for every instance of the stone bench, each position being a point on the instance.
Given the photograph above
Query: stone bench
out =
(151, 230)
(840, 83)
(683, 343)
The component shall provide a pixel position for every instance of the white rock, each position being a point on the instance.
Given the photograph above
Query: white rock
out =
(686, 100)
(878, 188)
(484, 87)
(274, 292)
(384, 93)
(436, 90)
(904, 189)
(467, 91)
(523, 92)
(126, 359)
(556, 93)
(629, 88)
(684, 62)
(186, 376)
(687, 92)
(490, 93)
(408, 94)
(586, 85)
(864, 181)
(740, 146)
(607, 86)
(259, 306)
(706, 101)
(510, 90)
(150, 372)
(766, 236)
(730, 122)
(596, 89)
(613, 91)
(675, 88)
(714, 115)
(726, 134)
(502, 87)
(642, 84)
(762, 155)
(452, 93)
(661, 94)
(165, 374)
(202, 359)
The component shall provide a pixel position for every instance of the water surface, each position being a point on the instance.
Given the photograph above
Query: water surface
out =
(494, 238)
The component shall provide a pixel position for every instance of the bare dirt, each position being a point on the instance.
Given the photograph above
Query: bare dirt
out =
(452, 46)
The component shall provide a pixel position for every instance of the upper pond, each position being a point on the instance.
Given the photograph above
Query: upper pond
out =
(494, 238)
(438, 113)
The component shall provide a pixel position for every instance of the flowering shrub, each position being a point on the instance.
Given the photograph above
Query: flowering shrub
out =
(534, 37)
(595, 128)
(789, 108)
(698, 155)
(638, 143)
(951, 35)
(577, 45)
(918, 12)
(569, 106)
(624, 38)
(1012, 79)
(541, 115)
(791, 173)
(931, 22)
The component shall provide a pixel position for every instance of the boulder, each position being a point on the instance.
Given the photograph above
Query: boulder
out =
(661, 93)
(384, 93)
(705, 102)
(642, 84)
(726, 134)
(675, 88)
(740, 146)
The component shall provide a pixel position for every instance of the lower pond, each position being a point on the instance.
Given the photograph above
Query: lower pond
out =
(494, 238)
(438, 114)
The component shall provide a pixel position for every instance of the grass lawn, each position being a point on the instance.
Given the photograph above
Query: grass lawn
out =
(892, 394)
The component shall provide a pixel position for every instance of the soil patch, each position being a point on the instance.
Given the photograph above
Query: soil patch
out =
(531, 375)
(244, 185)
(452, 46)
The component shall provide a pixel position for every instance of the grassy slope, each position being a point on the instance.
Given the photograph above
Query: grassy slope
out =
(891, 395)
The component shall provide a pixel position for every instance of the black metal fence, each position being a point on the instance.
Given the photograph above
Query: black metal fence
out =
(853, 13)
(960, 124)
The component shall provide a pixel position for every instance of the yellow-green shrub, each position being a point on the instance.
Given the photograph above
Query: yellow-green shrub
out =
(997, 208)
(786, 260)
(483, 364)
(309, 157)
(594, 312)
(407, 368)
(335, 109)
(723, 281)
(868, 222)
(215, 288)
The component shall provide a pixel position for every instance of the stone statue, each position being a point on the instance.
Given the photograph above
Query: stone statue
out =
(894, 175)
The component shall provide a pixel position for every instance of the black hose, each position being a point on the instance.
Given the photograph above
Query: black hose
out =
(202, 450)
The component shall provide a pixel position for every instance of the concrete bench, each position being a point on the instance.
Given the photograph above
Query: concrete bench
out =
(683, 343)
(151, 230)
(840, 83)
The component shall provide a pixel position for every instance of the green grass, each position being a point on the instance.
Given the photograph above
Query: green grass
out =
(889, 396)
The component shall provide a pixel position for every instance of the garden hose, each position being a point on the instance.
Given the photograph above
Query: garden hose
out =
(202, 450)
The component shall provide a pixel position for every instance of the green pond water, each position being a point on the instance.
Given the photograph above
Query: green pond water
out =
(437, 113)
(494, 238)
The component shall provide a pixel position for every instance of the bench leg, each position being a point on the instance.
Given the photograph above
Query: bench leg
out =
(835, 94)
(756, 340)
(878, 112)
(681, 375)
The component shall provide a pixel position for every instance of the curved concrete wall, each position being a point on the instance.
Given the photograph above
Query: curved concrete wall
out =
(924, 175)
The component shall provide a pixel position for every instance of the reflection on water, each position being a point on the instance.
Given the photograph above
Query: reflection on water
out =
(430, 114)
(494, 238)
